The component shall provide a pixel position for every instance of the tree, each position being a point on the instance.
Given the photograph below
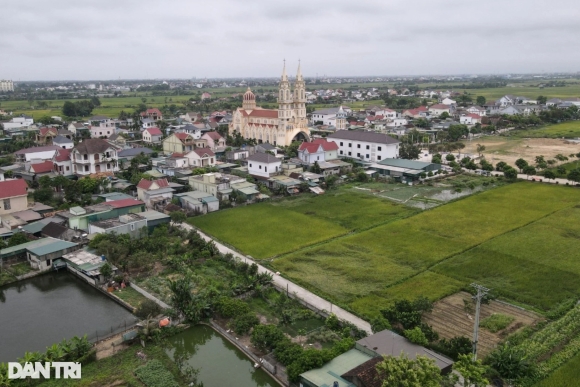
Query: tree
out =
(501, 166)
(450, 157)
(574, 175)
(265, 337)
(407, 313)
(529, 170)
(409, 151)
(521, 164)
(330, 181)
(106, 270)
(95, 101)
(480, 100)
(315, 168)
(444, 115)
(400, 371)
(510, 173)
(510, 362)
(457, 131)
(416, 336)
(480, 149)
(472, 371)
(436, 159)
(379, 324)
(549, 174)
(178, 217)
(421, 123)
(17, 239)
(542, 100)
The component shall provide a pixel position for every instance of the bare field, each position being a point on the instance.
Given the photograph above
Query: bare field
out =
(510, 149)
(450, 319)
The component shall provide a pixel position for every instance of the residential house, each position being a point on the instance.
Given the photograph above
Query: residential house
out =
(178, 142)
(36, 153)
(438, 109)
(264, 165)
(133, 225)
(201, 157)
(101, 126)
(480, 111)
(152, 135)
(396, 123)
(62, 162)
(448, 101)
(266, 147)
(205, 95)
(214, 140)
(238, 154)
(131, 153)
(318, 150)
(470, 119)
(198, 201)
(176, 160)
(13, 196)
(78, 129)
(420, 112)
(45, 136)
(325, 116)
(23, 121)
(40, 169)
(94, 155)
(79, 217)
(368, 146)
(153, 114)
(58, 231)
(63, 142)
(215, 184)
(154, 192)
(386, 113)
(148, 123)
(192, 117)
(506, 100)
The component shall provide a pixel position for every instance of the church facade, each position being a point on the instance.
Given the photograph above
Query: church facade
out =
(280, 126)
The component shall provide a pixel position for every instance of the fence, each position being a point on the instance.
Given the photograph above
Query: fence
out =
(105, 333)
(269, 364)
(150, 296)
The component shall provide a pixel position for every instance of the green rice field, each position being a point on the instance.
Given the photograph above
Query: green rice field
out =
(569, 129)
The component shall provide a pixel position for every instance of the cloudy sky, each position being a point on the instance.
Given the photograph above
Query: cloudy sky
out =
(108, 39)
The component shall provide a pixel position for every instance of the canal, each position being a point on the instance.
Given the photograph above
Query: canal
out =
(41, 311)
(219, 361)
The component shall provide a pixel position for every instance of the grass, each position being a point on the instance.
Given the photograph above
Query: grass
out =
(268, 229)
(6, 277)
(130, 296)
(570, 129)
(20, 269)
(521, 265)
(496, 322)
(357, 271)
(118, 369)
(307, 326)
(565, 376)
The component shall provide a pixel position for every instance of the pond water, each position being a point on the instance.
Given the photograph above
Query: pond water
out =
(220, 362)
(44, 310)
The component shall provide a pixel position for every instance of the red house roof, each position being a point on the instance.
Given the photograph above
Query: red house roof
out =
(213, 135)
(326, 145)
(154, 131)
(309, 147)
(45, 166)
(62, 155)
(475, 116)
(439, 106)
(151, 111)
(203, 151)
(182, 136)
(12, 188)
(146, 184)
(124, 203)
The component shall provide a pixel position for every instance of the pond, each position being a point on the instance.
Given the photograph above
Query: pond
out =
(44, 310)
(219, 361)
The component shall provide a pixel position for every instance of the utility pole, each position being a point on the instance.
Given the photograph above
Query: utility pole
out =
(481, 292)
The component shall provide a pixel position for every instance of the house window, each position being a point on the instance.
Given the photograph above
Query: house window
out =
(108, 166)
(341, 143)
(378, 157)
(86, 168)
(358, 155)
(340, 152)
(85, 157)
(349, 145)
(317, 157)
(7, 204)
(250, 165)
(265, 169)
(260, 167)
(368, 147)
(367, 156)
(67, 168)
(349, 153)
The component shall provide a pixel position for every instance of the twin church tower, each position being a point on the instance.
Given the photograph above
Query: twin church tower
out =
(278, 127)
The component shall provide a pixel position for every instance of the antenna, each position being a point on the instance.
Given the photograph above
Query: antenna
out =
(481, 292)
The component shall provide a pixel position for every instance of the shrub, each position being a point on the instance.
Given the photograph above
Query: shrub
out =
(332, 322)
(266, 337)
(244, 323)
(148, 308)
(231, 307)
(416, 336)
(154, 374)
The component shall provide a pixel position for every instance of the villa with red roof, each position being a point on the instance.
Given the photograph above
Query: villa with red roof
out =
(13, 196)
(317, 150)
(62, 162)
(42, 168)
(152, 135)
(179, 142)
(280, 126)
(153, 114)
(214, 140)
(419, 112)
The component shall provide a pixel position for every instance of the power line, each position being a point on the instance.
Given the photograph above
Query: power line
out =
(481, 292)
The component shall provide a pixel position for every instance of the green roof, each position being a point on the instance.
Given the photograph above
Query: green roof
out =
(326, 375)
(56, 245)
(402, 163)
(248, 191)
(153, 215)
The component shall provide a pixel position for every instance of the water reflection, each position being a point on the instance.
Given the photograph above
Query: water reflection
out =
(219, 361)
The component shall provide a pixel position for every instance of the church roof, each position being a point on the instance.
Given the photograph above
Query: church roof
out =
(265, 113)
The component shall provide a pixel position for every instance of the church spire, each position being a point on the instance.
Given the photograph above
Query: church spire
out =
(299, 72)
(284, 76)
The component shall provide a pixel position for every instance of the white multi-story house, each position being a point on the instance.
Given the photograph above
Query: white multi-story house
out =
(94, 155)
(19, 122)
(327, 116)
(368, 146)
(264, 165)
(476, 110)
(152, 135)
(101, 126)
(36, 153)
(6, 85)
(386, 113)
(470, 119)
(438, 109)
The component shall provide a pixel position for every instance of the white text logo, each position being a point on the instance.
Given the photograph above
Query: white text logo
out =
(62, 370)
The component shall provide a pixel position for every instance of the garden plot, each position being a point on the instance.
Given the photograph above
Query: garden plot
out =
(451, 318)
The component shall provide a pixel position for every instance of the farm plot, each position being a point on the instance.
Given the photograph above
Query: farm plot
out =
(450, 318)
(569, 129)
(357, 269)
(521, 265)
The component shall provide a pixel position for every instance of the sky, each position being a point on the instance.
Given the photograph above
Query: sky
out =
(137, 39)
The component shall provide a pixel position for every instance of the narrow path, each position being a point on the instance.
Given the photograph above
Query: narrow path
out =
(292, 288)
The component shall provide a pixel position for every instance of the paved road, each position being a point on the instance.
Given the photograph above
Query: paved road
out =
(299, 291)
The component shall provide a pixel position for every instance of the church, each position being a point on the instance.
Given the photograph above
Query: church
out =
(280, 126)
